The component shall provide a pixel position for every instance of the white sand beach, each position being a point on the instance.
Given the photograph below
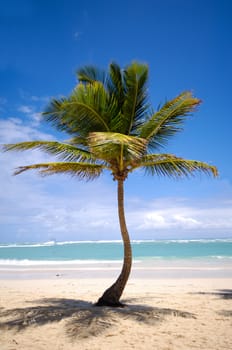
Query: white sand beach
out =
(161, 313)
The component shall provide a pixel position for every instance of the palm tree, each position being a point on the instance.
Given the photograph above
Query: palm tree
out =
(113, 127)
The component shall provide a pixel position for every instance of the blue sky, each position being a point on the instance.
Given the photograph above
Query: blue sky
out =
(187, 45)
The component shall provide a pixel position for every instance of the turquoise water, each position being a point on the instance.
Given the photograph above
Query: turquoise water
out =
(51, 252)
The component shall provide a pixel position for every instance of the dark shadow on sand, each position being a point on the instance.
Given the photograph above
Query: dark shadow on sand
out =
(221, 293)
(225, 313)
(83, 319)
(225, 293)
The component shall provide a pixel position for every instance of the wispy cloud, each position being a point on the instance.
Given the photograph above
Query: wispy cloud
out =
(77, 35)
(3, 102)
(30, 111)
(14, 130)
(62, 208)
(32, 106)
(40, 98)
(25, 109)
(37, 117)
(27, 96)
(182, 218)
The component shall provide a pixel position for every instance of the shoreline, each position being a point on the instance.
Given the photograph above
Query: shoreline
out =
(148, 268)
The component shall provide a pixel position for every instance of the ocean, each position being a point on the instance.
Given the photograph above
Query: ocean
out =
(50, 253)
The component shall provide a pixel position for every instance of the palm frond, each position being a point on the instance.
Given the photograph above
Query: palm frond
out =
(87, 109)
(135, 105)
(115, 85)
(91, 74)
(172, 166)
(116, 91)
(114, 145)
(169, 119)
(83, 171)
(78, 141)
(64, 151)
(55, 114)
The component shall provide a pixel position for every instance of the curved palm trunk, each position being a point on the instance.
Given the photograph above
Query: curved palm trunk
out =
(112, 295)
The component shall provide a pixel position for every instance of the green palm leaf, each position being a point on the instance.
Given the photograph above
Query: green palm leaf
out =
(91, 74)
(169, 119)
(87, 109)
(116, 146)
(115, 85)
(78, 141)
(64, 151)
(116, 91)
(55, 114)
(80, 170)
(172, 166)
(135, 105)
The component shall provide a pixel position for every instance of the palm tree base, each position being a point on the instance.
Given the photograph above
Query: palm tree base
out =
(104, 302)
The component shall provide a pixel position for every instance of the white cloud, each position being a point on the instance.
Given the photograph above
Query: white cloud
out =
(25, 109)
(36, 209)
(29, 111)
(26, 96)
(31, 205)
(37, 117)
(188, 222)
(13, 130)
(40, 98)
(181, 219)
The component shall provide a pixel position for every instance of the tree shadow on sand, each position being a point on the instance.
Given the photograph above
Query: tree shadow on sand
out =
(84, 319)
(225, 313)
(221, 293)
(225, 294)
